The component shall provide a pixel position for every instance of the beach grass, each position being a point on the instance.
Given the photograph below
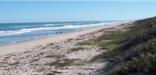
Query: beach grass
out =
(135, 53)
(87, 42)
(77, 49)
(62, 62)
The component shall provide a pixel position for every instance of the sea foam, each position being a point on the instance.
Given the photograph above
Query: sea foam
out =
(48, 27)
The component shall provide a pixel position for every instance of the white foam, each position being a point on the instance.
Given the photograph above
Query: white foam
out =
(28, 30)
(49, 24)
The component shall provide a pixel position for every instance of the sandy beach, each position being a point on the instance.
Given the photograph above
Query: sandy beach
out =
(55, 55)
(39, 37)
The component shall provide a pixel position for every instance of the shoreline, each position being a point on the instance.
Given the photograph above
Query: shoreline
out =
(27, 45)
(60, 55)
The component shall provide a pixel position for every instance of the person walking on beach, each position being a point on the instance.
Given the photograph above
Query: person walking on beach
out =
(59, 32)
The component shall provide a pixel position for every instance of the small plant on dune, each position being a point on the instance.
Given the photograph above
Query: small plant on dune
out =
(77, 49)
(87, 42)
(62, 62)
(111, 73)
(97, 57)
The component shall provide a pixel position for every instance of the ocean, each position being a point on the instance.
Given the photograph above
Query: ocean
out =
(17, 32)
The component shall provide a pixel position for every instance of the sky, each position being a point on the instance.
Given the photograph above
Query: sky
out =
(50, 11)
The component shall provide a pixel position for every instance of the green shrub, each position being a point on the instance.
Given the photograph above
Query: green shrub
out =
(77, 49)
(87, 42)
(111, 73)
(98, 57)
(62, 63)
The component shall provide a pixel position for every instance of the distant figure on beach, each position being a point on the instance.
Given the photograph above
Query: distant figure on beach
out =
(59, 32)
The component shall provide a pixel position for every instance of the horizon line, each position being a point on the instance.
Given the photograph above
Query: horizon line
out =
(61, 21)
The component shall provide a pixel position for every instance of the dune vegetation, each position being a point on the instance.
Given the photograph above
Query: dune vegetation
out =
(132, 51)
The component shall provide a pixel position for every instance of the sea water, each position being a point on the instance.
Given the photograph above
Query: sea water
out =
(18, 32)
